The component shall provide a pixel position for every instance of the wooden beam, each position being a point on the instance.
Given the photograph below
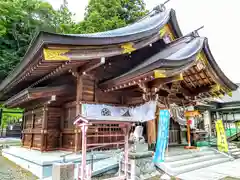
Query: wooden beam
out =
(199, 90)
(70, 104)
(158, 83)
(173, 100)
(91, 65)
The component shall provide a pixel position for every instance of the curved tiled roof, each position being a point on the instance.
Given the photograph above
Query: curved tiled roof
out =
(146, 27)
(178, 55)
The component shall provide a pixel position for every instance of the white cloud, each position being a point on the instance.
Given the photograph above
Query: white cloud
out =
(219, 17)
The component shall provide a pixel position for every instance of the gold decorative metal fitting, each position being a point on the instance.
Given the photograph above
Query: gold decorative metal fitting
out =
(202, 58)
(179, 77)
(128, 48)
(166, 31)
(215, 88)
(55, 54)
(159, 73)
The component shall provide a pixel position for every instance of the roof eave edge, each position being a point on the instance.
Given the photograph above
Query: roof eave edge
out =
(217, 69)
(174, 23)
(35, 44)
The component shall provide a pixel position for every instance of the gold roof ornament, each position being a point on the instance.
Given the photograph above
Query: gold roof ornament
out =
(166, 32)
(55, 54)
(215, 88)
(221, 96)
(179, 77)
(127, 48)
(158, 73)
(202, 58)
(229, 93)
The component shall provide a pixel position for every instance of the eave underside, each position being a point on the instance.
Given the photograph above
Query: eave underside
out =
(42, 94)
(186, 61)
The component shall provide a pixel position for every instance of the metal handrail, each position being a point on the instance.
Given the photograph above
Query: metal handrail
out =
(89, 149)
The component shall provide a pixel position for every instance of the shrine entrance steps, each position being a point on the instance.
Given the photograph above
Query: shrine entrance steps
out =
(234, 150)
(179, 160)
(234, 137)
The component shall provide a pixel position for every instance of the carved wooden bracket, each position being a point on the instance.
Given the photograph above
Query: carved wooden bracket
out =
(148, 93)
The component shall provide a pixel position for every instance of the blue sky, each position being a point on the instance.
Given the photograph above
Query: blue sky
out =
(219, 17)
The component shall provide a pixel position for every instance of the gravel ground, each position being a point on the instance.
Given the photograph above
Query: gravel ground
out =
(230, 178)
(10, 171)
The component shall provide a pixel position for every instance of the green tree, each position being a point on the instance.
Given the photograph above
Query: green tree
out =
(63, 19)
(10, 116)
(103, 15)
(20, 20)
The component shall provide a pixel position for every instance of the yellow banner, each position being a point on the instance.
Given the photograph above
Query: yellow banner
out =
(237, 124)
(221, 137)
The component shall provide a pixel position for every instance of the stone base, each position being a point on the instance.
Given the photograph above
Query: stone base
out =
(139, 147)
(142, 166)
(63, 171)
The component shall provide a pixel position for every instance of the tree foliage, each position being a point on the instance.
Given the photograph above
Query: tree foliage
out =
(20, 20)
(103, 15)
(10, 115)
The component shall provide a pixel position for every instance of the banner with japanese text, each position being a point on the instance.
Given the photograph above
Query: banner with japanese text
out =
(221, 137)
(162, 137)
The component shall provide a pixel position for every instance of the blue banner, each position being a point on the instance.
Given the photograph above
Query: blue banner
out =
(162, 137)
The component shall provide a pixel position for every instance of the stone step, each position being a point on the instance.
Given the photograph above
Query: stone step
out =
(236, 156)
(182, 151)
(193, 160)
(234, 150)
(232, 147)
(199, 165)
(232, 144)
(117, 178)
(236, 153)
(105, 165)
(189, 155)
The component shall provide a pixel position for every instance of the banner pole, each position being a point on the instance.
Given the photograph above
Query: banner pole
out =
(168, 108)
(188, 132)
(167, 149)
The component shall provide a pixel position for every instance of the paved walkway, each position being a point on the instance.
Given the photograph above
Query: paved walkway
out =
(216, 172)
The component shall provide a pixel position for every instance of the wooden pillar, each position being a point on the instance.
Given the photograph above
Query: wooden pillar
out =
(78, 111)
(44, 129)
(151, 132)
(23, 127)
(32, 126)
(61, 127)
(152, 129)
(126, 149)
(149, 94)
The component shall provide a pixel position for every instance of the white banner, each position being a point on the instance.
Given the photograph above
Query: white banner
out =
(142, 113)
